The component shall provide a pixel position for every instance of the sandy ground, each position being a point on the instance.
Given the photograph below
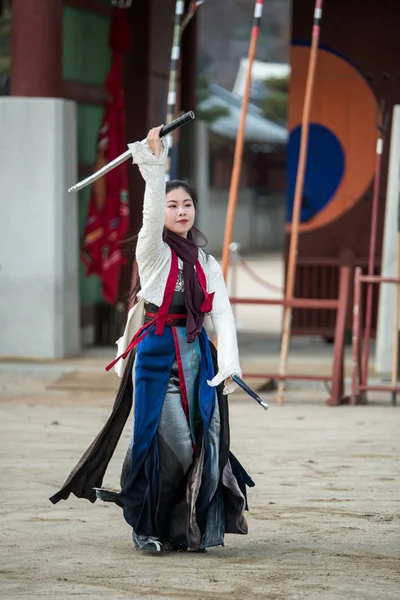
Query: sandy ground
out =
(323, 520)
(324, 515)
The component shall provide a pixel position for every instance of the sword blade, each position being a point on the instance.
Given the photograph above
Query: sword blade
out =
(166, 130)
(92, 178)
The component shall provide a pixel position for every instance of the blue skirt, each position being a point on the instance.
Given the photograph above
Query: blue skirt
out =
(175, 486)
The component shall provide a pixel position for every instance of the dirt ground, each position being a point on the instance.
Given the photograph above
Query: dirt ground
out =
(323, 520)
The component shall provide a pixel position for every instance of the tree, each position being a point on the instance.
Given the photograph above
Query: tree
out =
(5, 29)
(274, 103)
(211, 114)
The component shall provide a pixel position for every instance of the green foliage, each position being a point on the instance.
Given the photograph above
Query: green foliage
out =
(5, 31)
(209, 115)
(274, 104)
(278, 84)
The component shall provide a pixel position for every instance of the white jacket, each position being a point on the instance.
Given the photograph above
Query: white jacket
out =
(153, 257)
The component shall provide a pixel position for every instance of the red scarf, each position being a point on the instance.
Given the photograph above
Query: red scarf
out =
(198, 301)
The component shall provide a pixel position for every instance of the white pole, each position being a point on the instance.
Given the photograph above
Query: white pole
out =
(384, 338)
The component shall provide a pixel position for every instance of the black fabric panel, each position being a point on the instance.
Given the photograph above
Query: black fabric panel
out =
(242, 477)
(140, 494)
(90, 470)
(152, 491)
(172, 492)
(224, 415)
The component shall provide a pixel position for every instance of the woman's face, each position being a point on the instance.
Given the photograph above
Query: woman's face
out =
(179, 212)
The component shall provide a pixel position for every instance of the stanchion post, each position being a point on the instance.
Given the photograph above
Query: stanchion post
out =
(337, 391)
(356, 366)
(234, 248)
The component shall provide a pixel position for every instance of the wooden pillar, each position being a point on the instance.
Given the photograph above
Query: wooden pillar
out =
(36, 48)
(136, 86)
(136, 79)
(187, 146)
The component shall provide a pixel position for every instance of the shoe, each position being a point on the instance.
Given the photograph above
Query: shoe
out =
(172, 547)
(146, 542)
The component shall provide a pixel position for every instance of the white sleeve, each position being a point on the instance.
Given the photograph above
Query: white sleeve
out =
(225, 328)
(152, 168)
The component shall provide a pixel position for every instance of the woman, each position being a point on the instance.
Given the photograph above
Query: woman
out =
(181, 488)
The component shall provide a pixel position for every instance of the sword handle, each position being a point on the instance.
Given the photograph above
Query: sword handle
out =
(251, 392)
(182, 120)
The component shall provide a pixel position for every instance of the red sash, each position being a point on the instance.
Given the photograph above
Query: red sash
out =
(163, 317)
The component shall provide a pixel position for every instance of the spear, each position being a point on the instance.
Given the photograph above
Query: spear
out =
(180, 24)
(298, 194)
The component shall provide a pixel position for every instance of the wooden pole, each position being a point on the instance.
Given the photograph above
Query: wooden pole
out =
(337, 387)
(237, 160)
(173, 76)
(294, 234)
(356, 366)
(180, 24)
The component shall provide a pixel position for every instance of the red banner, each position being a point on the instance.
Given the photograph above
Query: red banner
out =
(108, 213)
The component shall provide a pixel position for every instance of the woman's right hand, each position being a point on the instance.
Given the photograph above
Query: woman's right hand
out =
(154, 141)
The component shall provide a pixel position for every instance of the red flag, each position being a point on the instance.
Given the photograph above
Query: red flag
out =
(108, 213)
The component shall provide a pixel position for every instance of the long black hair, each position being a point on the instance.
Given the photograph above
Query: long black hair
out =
(197, 235)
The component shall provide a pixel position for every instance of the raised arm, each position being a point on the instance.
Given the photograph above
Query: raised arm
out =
(151, 159)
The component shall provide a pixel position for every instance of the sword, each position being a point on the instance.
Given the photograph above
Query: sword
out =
(186, 118)
(251, 392)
